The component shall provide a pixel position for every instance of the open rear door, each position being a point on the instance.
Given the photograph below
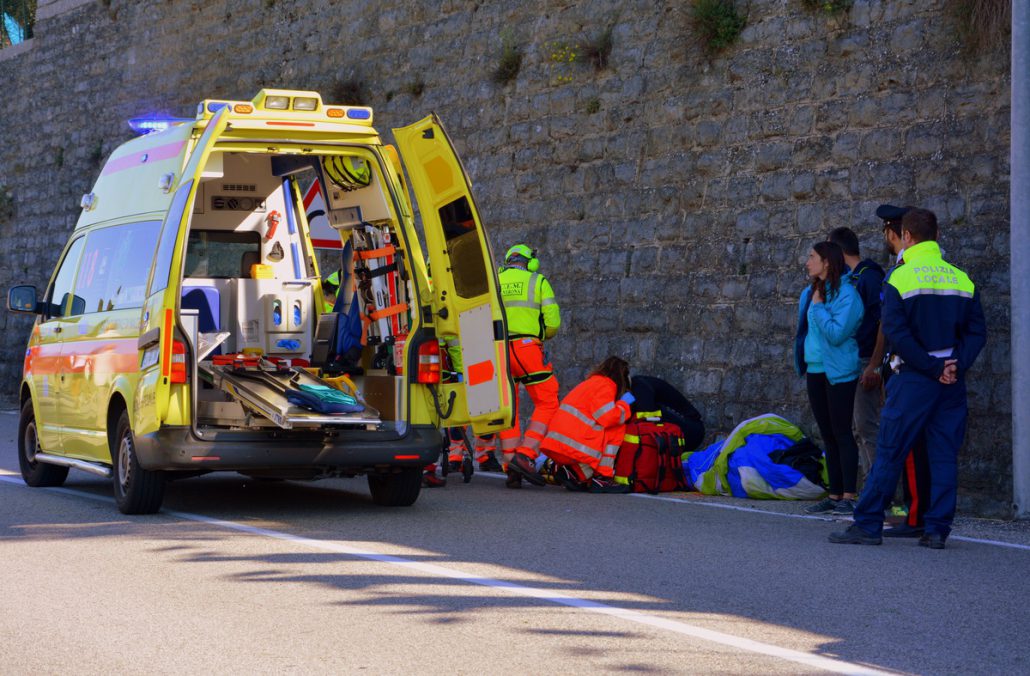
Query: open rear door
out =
(158, 322)
(465, 298)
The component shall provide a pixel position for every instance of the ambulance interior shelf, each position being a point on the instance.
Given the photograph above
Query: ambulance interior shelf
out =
(254, 391)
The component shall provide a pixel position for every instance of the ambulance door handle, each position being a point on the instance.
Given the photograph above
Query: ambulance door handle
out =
(57, 329)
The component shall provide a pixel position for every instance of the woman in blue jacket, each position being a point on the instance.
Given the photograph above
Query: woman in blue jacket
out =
(826, 353)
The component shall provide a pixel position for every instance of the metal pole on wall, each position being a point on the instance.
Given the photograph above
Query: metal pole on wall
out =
(1019, 252)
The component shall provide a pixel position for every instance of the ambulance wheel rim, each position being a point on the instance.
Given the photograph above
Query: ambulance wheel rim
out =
(124, 462)
(31, 442)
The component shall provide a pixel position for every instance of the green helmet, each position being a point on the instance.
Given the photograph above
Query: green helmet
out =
(532, 263)
(332, 280)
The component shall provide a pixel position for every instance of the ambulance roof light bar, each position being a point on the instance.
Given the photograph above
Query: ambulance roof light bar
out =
(153, 123)
(305, 105)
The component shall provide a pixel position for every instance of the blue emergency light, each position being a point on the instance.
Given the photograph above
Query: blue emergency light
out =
(152, 123)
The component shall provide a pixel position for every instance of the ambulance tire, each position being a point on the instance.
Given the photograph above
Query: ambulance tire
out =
(400, 489)
(136, 490)
(35, 474)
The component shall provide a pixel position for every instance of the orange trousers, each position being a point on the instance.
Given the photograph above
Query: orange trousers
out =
(530, 368)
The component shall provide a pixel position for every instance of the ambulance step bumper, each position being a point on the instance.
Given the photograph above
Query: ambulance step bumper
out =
(177, 448)
(91, 467)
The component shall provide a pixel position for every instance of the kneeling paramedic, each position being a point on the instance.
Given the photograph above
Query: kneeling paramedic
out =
(533, 317)
(585, 433)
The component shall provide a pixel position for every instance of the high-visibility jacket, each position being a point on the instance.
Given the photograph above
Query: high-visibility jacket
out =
(931, 312)
(529, 303)
(589, 425)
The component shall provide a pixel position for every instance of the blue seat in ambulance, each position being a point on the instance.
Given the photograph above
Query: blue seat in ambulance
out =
(205, 300)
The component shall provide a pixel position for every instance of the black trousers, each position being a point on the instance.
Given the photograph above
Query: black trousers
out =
(833, 407)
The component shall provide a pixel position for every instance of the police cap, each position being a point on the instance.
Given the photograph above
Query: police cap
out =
(889, 212)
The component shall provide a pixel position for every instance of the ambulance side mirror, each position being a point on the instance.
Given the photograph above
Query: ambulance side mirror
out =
(23, 299)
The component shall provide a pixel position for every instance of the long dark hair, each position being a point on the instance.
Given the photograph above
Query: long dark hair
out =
(833, 255)
(616, 369)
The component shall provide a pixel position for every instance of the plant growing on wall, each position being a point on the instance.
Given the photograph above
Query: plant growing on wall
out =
(6, 205)
(597, 50)
(717, 23)
(562, 57)
(983, 24)
(828, 6)
(510, 63)
(349, 92)
(416, 86)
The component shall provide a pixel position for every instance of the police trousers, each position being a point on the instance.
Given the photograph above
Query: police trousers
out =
(917, 404)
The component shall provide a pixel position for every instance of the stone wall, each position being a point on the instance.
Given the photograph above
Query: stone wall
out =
(672, 195)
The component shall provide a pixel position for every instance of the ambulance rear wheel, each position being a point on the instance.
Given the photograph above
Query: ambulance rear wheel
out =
(36, 474)
(136, 490)
(396, 490)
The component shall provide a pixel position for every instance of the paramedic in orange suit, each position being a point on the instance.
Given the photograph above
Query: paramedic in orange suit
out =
(587, 429)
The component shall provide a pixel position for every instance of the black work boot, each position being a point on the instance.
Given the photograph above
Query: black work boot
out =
(490, 464)
(514, 479)
(524, 466)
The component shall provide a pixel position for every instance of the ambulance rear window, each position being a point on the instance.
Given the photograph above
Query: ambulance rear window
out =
(222, 254)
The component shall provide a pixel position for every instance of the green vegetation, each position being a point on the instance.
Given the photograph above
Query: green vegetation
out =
(510, 62)
(415, 87)
(717, 23)
(598, 49)
(983, 24)
(96, 155)
(592, 106)
(349, 92)
(6, 205)
(828, 6)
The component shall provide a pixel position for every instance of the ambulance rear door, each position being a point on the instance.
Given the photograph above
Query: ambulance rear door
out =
(466, 302)
(162, 357)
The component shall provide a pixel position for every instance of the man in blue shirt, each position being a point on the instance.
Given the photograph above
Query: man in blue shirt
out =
(867, 278)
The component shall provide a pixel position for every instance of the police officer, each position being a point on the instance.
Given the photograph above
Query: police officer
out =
(915, 477)
(934, 321)
(533, 317)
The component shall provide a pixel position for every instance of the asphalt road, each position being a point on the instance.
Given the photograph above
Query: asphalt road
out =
(238, 576)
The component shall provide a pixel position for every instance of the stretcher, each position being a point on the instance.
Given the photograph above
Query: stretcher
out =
(264, 391)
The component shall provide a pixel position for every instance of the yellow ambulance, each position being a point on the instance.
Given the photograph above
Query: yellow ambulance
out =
(186, 328)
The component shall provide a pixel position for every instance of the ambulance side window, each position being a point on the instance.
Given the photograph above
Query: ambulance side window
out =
(464, 249)
(60, 292)
(115, 266)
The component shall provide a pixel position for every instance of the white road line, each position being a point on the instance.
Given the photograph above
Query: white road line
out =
(683, 628)
(809, 517)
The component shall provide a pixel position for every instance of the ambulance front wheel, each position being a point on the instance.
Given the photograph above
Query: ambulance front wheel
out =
(35, 474)
(136, 490)
(396, 490)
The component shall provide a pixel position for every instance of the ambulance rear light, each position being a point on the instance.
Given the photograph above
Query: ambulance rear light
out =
(359, 113)
(334, 112)
(429, 363)
(243, 108)
(215, 106)
(305, 103)
(277, 102)
(178, 374)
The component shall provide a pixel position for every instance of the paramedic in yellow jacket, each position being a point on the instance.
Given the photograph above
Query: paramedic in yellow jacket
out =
(533, 317)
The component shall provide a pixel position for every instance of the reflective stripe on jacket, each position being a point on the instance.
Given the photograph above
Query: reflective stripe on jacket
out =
(930, 305)
(589, 424)
(529, 303)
